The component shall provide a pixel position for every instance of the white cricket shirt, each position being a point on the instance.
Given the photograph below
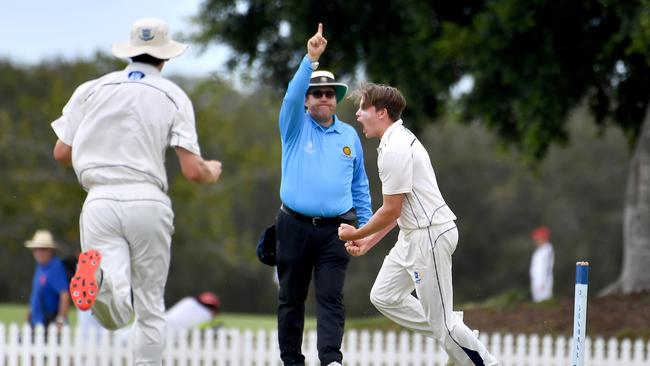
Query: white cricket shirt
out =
(120, 125)
(541, 272)
(186, 314)
(405, 168)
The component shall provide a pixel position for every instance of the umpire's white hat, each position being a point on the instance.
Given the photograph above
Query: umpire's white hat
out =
(149, 36)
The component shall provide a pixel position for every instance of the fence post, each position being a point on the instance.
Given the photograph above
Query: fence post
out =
(3, 343)
(560, 355)
(612, 351)
(637, 354)
(350, 338)
(390, 349)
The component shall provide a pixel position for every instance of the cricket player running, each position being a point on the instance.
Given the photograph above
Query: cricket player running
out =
(114, 131)
(421, 258)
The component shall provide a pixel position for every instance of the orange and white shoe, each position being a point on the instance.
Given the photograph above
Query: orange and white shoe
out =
(83, 285)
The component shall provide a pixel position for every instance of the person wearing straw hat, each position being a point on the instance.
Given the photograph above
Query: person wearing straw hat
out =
(421, 259)
(49, 301)
(324, 183)
(114, 131)
(541, 265)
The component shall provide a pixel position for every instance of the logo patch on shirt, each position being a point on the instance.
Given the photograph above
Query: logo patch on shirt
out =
(347, 151)
(136, 75)
(417, 278)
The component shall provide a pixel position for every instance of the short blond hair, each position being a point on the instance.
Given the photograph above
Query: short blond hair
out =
(380, 96)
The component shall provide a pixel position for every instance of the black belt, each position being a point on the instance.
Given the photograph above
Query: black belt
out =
(318, 221)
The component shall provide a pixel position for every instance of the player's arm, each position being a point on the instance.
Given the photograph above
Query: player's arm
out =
(293, 104)
(360, 187)
(63, 153)
(196, 169)
(382, 221)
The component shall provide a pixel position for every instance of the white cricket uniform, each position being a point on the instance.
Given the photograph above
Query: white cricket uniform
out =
(541, 272)
(421, 258)
(119, 127)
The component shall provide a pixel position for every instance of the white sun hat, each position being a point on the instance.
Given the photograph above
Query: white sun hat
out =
(150, 36)
(41, 239)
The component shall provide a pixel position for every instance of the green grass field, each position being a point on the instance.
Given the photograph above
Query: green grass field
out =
(17, 313)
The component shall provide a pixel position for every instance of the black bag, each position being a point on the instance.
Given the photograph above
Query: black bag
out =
(266, 246)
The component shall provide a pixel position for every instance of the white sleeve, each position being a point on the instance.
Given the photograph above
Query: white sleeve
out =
(65, 127)
(183, 132)
(396, 172)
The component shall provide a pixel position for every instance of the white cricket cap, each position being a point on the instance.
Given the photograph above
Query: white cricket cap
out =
(150, 36)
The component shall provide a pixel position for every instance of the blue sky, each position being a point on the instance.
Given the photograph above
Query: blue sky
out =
(36, 30)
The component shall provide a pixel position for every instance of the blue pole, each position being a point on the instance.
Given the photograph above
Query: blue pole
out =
(580, 314)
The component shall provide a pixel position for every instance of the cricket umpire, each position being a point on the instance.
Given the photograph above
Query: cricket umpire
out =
(114, 131)
(324, 184)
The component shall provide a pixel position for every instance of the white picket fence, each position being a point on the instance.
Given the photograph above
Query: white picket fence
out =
(19, 346)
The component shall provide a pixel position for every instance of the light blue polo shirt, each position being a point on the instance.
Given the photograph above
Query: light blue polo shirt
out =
(323, 172)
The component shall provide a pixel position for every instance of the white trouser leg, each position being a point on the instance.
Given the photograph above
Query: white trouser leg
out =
(149, 228)
(391, 295)
(131, 226)
(421, 259)
(100, 230)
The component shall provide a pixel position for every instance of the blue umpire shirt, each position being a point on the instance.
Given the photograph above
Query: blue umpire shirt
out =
(323, 172)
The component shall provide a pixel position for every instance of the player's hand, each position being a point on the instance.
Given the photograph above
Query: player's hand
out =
(316, 44)
(357, 248)
(214, 166)
(347, 232)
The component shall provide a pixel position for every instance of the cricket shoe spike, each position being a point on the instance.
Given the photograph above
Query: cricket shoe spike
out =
(83, 285)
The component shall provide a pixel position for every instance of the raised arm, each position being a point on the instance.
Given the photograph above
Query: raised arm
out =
(293, 105)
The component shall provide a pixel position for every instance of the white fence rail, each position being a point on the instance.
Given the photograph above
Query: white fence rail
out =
(19, 346)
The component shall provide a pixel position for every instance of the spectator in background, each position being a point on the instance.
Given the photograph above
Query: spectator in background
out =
(193, 311)
(188, 313)
(541, 265)
(49, 300)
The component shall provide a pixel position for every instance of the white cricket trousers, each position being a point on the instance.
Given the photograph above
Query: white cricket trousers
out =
(131, 226)
(421, 260)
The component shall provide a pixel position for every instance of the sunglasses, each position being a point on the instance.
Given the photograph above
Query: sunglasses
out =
(329, 94)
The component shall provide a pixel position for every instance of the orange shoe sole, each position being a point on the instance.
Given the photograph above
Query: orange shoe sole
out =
(83, 285)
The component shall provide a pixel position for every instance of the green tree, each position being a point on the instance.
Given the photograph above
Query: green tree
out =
(532, 62)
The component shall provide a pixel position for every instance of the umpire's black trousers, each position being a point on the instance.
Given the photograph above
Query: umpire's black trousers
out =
(305, 247)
